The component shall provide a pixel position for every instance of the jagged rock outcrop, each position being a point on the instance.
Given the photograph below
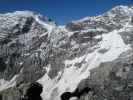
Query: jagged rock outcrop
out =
(95, 52)
(20, 36)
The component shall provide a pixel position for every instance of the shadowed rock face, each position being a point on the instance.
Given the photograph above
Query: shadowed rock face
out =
(2, 65)
(77, 93)
(66, 96)
(33, 92)
(0, 97)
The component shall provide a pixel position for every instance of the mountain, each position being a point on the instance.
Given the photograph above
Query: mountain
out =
(94, 52)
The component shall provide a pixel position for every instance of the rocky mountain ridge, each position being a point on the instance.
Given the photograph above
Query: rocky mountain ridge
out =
(95, 52)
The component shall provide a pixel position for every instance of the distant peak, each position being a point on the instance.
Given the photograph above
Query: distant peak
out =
(122, 8)
(21, 13)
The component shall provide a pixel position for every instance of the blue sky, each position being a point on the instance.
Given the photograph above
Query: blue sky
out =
(63, 11)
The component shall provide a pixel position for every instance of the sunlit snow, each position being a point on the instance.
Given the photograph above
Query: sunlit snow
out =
(71, 76)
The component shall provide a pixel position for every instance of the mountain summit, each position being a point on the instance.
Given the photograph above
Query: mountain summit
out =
(94, 52)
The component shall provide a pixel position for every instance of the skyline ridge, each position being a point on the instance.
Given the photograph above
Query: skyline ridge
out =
(62, 11)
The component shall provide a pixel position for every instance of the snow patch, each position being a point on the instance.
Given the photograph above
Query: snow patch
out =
(7, 84)
(48, 26)
(114, 43)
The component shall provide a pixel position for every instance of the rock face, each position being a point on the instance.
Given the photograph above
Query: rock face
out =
(111, 81)
(94, 52)
(20, 38)
(33, 92)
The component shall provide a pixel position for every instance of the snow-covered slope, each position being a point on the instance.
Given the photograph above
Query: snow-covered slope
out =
(112, 45)
(61, 57)
(69, 78)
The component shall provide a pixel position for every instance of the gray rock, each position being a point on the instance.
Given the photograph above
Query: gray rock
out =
(28, 48)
